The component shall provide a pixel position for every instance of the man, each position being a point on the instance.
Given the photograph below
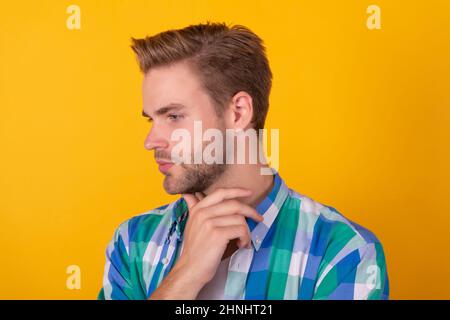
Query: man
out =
(234, 233)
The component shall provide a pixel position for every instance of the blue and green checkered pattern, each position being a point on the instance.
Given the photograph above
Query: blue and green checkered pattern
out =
(302, 250)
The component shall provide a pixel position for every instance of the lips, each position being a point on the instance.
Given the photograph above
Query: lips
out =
(164, 165)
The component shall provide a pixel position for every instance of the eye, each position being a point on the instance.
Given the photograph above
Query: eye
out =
(174, 117)
(150, 119)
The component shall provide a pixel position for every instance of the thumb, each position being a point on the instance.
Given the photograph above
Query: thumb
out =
(191, 200)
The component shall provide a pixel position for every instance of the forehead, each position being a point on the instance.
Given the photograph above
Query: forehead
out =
(175, 83)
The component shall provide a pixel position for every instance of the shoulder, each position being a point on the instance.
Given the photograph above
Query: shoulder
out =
(328, 228)
(347, 259)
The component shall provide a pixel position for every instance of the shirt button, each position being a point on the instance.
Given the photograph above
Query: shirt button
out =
(258, 241)
(165, 260)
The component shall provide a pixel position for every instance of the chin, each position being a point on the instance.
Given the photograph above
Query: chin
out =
(174, 184)
(170, 185)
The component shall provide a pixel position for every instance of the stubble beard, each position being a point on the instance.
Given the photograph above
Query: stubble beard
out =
(195, 178)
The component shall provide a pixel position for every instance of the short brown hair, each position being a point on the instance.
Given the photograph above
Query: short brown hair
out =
(228, 59)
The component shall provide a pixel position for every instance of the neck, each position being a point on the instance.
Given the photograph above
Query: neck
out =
(247, 176)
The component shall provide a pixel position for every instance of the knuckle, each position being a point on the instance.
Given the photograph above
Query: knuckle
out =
(242, 229)
(241, 219)
(234, 204)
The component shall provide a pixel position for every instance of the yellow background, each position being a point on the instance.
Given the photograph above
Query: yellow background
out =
(363, 116)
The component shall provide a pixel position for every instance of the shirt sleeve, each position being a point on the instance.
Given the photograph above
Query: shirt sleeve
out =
(359, 275)
(116, 277)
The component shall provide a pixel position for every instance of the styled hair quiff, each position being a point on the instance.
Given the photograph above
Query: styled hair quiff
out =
(227, 59)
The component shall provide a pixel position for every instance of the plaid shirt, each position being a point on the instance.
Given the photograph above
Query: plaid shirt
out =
(302, 250)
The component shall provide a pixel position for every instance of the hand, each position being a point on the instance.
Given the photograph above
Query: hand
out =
(213, 222)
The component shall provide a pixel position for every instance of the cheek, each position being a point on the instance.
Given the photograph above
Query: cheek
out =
(166, 131)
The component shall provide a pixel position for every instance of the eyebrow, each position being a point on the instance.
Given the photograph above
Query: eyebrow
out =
(165, 109)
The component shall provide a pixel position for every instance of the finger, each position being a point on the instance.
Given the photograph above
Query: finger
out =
(222, 194)
(233, 206)
(200, 196)
(237, 232)
(229, 220)
(191, 200)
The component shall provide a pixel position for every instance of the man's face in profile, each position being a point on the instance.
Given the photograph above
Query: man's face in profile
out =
(174, 98)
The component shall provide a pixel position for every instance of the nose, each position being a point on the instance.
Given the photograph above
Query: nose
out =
(155, 141)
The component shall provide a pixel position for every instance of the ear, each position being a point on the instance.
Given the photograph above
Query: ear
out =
(241, 107)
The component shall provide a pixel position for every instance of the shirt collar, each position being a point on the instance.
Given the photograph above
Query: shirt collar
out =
(268, 208)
